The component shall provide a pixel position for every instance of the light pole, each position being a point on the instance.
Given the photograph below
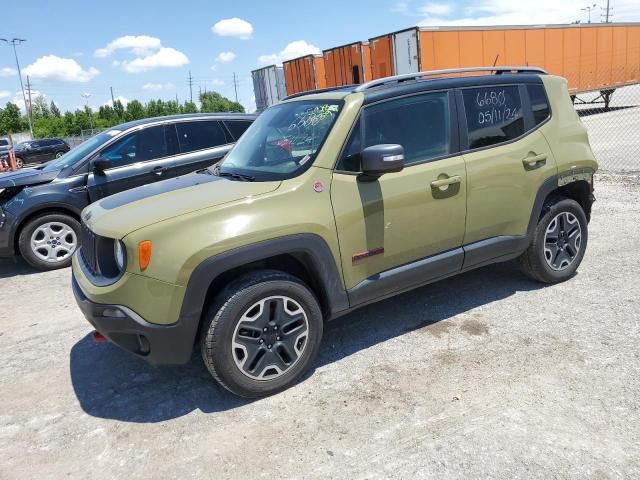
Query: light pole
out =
(86, 97)
(588, 9)
(14, 42)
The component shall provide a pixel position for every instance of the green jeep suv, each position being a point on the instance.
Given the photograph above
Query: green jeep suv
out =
(333, 200)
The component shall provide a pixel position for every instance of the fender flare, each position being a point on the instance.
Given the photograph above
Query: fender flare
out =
(315, 250)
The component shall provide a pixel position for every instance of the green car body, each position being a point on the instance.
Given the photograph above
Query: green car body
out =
(351, 240)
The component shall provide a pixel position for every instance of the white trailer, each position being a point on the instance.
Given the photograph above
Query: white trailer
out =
(268, 86)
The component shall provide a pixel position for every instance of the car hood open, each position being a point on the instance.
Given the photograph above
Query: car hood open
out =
(26, 177)
(118, 215)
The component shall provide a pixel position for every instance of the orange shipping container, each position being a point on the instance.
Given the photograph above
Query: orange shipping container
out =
(304, 73)
(590, 56)
(347, 64)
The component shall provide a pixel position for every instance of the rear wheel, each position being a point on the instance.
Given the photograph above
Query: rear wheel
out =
(559, 243)
(262, 333)
(47, 242)
(59, 154)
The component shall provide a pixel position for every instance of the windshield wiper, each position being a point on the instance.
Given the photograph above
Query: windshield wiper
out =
(237, 176)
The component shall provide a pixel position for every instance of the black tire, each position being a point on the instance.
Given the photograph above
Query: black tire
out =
(534, 261)
(59, 154)
(19, 162)
(219, 327)
(63, 252)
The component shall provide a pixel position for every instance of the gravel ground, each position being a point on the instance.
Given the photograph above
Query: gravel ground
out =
(486, 375)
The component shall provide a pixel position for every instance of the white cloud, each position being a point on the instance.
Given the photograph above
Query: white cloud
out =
(158, 86)
(140, 45)
(18, 99)
(5, 93)
(216, 82)
(123, 100)
(56, 68)
(233, 27)
(225, 57)
(8, 72)
(295, 49)
(439, 9)
(213, 67)
(166, 57)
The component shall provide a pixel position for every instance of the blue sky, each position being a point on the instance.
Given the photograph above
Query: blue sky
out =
(145, 50)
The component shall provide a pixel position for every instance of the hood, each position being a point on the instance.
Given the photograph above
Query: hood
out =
(118, 215)
(26, 177)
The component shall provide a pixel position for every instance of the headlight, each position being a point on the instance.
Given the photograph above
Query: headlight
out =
(118, 254)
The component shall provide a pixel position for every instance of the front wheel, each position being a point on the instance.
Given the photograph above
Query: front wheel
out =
(19, 162)
(559, 243)
(47, 242)
(261, 334)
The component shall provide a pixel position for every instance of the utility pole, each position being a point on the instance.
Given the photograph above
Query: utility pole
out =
(86, 97)
(29, 92)
(235, 85)
(190, 83)
(607, 12)
(113, 100)
(14, 42)
(588, 9)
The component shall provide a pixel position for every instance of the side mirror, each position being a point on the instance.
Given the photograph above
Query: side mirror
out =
(380, 159)
(101, 164)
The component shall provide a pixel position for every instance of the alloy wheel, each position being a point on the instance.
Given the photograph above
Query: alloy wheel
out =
(54, 242)
(270, 337)
(562, 240)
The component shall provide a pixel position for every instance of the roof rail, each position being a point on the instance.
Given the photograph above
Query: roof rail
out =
(430, 73)
(320, 90)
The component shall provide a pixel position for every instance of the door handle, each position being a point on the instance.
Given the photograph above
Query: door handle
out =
(445, 182)
(534, 161)
(158, 170)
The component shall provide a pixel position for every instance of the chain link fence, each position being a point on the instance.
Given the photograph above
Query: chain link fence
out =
(614, 130)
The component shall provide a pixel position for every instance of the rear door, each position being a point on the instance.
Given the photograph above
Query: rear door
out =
(144, 156)
(202, 143)
(507, 158)
(405, 45)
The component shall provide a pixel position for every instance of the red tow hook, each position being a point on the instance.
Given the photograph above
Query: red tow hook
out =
(98, 337)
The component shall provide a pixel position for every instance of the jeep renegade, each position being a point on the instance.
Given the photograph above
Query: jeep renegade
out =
(333, 200)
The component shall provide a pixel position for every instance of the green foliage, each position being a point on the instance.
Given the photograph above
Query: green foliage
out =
(214, 102)
(48, 121)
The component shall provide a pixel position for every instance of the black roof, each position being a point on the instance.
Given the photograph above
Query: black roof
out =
(186, 116)
(413, 85)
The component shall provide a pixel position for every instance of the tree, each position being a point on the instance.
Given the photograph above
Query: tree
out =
(214, 102)
(135, 110)
(55, 111)
(10, 119)
(118, 108)
(190, 107)
(39, 108)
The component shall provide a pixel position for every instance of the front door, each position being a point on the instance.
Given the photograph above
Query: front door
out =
(141, 157)
(403, 219)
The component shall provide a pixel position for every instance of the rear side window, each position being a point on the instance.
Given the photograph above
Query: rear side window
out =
(200, 135)
(539, 103)
(237, 127)
(494, 115)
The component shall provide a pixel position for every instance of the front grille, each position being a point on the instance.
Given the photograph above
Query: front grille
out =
(88, 248)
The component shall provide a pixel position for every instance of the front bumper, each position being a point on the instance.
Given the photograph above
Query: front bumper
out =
(158, 344)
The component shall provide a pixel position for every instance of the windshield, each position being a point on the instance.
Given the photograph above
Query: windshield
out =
(4, 142)
(75, 155)
(282, 142)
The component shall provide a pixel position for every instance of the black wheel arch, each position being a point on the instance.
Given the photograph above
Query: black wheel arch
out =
(305, 256)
